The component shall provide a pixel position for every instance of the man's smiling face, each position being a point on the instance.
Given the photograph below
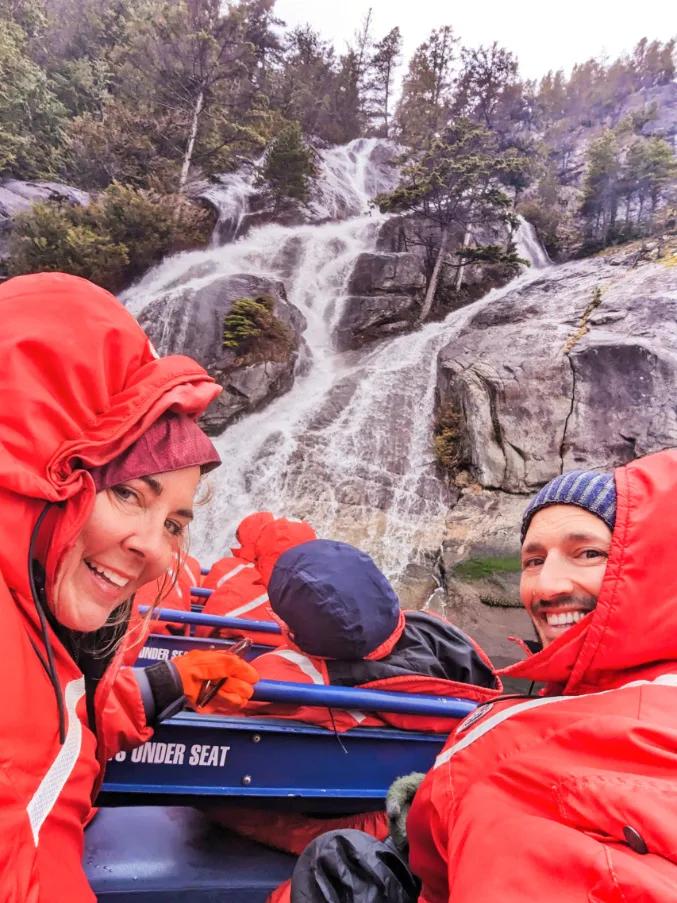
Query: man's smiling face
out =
(564, 558)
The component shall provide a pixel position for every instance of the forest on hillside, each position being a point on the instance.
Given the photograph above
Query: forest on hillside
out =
(134, 101)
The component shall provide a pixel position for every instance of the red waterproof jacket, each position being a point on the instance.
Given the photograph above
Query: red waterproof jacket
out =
(241, 594)
(425, 654)
(246, 534)
(173, 591)
(79, 382)
(570, 797)
(276, 538)
(240, 582)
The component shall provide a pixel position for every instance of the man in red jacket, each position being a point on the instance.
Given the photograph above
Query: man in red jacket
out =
(569, 794)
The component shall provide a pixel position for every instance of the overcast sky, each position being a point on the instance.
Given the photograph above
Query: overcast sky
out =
(543, 35)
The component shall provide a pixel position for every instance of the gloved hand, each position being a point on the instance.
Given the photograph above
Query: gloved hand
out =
(399, 798)
(196, 666)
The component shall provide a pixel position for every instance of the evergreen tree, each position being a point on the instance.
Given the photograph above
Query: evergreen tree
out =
(454, 182)
(424, 105)
(488, 87)
(289, 166)
(384, 62)
(601, 188)
(32, 120)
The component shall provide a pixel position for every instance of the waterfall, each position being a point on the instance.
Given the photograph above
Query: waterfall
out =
(349, 447)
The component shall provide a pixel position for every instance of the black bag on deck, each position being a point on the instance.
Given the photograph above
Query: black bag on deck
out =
(352, 867)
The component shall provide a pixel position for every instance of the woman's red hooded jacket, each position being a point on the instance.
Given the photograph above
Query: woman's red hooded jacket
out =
(571, 796)
(79, 383)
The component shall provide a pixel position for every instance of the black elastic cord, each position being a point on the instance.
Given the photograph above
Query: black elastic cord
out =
(336, 733)
(51, 671)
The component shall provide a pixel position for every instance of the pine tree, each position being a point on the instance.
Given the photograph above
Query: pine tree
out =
(424, 105)
(455, 182)
(33, 121)
(384, 62)
(289, 166)
(488, 84)
(601, 188)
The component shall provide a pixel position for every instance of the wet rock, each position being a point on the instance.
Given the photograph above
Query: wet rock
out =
(547, 381)
(365, 319)
(480, 567)
(16, 197)
(246, 389)
(375, 274)
(387, 288)
(190, 321)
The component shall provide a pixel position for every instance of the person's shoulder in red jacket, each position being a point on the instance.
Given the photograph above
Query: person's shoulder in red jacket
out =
(344, 626)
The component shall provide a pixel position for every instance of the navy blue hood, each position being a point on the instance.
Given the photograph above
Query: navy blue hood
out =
(334, 599)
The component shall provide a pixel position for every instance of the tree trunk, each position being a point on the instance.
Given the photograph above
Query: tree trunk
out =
(385, 106)
(459, 274)
(434, 279)
(188, 156)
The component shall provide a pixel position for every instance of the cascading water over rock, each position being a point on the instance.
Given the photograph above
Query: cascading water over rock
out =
(349, 447)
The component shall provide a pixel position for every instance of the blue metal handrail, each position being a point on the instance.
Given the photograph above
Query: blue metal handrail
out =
(354, 698)
(201, 592)
(193, 617)
(205, 571)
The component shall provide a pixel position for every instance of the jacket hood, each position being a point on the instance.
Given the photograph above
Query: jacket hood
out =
(276, 538)
(634, 624)
(79, 383)
(334, 600)
(248, 532)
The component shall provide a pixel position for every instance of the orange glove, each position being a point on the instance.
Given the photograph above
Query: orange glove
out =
(196, 667)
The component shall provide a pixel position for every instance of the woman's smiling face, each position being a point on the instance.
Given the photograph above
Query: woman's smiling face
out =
(128, 540)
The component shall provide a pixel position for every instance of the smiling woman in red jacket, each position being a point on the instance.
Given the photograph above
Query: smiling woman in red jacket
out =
(100, 458)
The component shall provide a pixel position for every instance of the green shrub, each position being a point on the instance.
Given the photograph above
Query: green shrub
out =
(112, 241)
(251, 325)
(448, 438)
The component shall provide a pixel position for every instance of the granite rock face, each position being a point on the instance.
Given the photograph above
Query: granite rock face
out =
(190, 321)
(575, 370)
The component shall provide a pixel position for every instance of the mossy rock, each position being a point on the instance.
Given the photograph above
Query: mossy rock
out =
(487, 568)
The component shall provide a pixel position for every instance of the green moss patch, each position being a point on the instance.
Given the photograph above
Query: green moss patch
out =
(486, 568)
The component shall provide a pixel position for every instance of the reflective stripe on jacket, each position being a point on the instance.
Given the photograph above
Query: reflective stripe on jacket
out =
(571, 796)
(79, 382)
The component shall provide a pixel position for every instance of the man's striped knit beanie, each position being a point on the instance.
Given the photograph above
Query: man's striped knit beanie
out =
(594, 492)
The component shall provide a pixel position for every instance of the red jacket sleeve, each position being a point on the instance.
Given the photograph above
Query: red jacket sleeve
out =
(122, 722)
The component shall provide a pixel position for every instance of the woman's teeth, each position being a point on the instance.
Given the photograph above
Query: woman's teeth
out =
(568, 617)
(111, 576)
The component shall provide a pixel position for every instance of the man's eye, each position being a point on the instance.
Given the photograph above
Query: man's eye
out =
(174, 528)
(531, 563)
(591, 554)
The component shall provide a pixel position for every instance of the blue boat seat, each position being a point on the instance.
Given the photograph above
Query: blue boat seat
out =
(146, 854)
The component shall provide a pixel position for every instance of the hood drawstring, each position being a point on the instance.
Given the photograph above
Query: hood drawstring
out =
(48, 665)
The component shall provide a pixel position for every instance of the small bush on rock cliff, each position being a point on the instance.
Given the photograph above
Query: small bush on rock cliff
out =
(112, 241)
(252, 328)
(447, 437)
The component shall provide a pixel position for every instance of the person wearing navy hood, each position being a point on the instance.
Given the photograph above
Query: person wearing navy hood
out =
(343, 626)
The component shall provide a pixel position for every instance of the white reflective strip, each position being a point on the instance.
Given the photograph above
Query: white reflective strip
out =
(191, 575)
(358, 716)
(668, 680)
(303, 662)
(236, 612)
(232, 573)
(61, 768)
